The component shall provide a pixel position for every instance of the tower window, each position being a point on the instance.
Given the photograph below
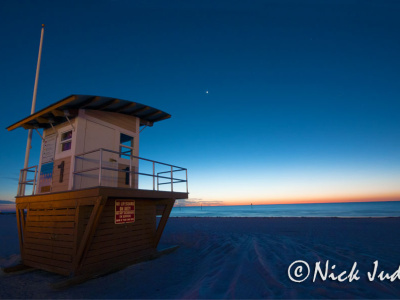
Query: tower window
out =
(66, 141)
(125, 146)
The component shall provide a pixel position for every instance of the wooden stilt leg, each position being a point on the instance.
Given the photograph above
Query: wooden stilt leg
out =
(163, 221)
(89, 233)
(20, 232)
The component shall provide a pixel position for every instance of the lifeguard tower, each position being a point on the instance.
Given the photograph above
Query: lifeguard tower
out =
(93, 203)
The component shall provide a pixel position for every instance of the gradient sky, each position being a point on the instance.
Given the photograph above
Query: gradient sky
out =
(303, 102)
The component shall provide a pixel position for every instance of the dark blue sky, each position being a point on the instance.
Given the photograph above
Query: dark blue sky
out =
(303, 102)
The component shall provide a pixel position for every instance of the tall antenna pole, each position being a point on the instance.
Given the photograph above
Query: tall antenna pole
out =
(29, 141)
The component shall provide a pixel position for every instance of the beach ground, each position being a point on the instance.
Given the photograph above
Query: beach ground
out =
(235, 258)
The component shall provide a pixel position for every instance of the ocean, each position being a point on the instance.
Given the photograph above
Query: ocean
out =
(354, 209)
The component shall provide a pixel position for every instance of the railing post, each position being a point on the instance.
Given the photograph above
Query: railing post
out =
(73, 165)
(172, 181)
(34, 181)
(158, 183)
(154, 180)
(130, 171)
(100, 165)
(19, 192)
(187, 187)
(23, 180)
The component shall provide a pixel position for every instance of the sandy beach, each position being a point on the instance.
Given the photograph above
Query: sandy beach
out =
(236, 258)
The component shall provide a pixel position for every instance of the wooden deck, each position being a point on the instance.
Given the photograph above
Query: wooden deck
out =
(73, 232)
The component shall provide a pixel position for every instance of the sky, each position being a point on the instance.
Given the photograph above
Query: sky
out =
(271, 101)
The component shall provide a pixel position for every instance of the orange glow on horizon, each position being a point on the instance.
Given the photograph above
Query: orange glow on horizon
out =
(304, 200)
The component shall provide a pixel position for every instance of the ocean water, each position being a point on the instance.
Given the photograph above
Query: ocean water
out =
(354, 209)
(363, 209)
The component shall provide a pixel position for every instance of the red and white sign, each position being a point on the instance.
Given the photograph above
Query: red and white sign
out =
(124, 211)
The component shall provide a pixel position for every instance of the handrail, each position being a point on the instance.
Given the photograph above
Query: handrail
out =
(99, 161)
(97, 164)
(170, 171)
(87, 170)
(23, 181)
(177, 181)
(132, 172)
(132, 156)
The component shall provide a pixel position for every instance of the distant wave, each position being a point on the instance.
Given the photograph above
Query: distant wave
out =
(354, 209)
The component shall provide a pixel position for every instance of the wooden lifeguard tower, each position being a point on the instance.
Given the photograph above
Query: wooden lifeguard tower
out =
(93, 203)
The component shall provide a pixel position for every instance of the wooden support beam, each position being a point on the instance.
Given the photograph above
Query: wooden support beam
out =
(89, 196)
(76, 229)
(147, 123)
(151, 114)
(57, 113)
(41, 112)
(18, 269)
(71, 112)
(107, 104)
(20, 232)
(88, 234)
(126, 106)
(42, 120)
(162, 118)
(139, 110)
(163, 221)
(28, 126)
(65, 113)
(23, 205)
(89, 101)
(23, 218)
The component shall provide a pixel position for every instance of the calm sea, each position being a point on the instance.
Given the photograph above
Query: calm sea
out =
(365, 209)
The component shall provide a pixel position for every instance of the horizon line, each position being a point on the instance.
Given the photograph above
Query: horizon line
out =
(241, 203)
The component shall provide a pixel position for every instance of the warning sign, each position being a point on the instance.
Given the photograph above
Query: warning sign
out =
(49, 147)
(124, 211)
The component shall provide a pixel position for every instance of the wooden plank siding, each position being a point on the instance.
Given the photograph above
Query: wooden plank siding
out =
(74, 233)
(120, 120)
(49, 238)
(104, 191)
(121, 242)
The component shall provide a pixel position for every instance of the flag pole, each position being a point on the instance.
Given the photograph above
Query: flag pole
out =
(29, 141)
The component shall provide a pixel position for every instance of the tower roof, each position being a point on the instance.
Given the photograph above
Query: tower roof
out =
(68, 107)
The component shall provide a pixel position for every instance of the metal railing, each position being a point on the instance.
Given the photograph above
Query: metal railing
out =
(92, 171)
(89, 171)
(23, 180)
(177, 180)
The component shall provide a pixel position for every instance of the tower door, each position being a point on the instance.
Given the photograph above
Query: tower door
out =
(97, 136)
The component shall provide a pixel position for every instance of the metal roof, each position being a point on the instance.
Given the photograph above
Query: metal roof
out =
(69, 107)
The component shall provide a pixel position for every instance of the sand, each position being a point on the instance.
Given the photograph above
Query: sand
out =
(234, 258)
